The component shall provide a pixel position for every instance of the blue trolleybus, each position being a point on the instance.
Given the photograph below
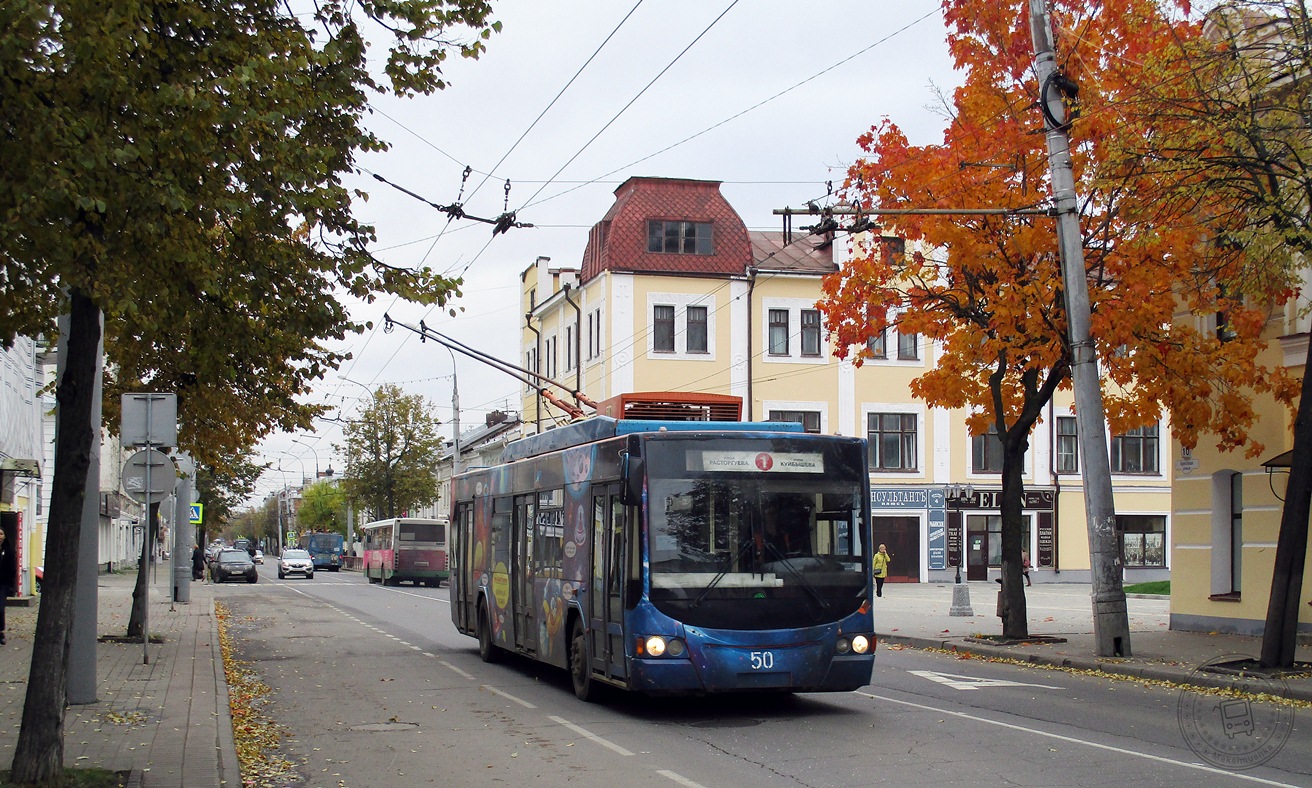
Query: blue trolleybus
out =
(671, 557)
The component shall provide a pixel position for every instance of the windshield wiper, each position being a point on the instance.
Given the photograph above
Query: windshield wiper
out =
(806, 584)
(746, 545)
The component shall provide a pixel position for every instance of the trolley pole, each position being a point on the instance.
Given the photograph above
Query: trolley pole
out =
(1111, 624)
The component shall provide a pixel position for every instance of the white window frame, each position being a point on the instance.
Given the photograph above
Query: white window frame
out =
(814, 406)
(922, 427)
(681, 302)
(794, 307)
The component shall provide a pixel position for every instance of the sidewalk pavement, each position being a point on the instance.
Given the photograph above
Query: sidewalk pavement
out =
(168, 722)
(918, 614)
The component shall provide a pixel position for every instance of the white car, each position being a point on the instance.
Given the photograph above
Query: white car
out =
(295, 562)
(259, 556)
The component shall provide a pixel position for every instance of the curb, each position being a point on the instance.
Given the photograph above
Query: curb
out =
(1175, 675)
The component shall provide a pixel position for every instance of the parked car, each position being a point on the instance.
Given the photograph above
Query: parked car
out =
(234, 565)
(259, 556)
(296, 562)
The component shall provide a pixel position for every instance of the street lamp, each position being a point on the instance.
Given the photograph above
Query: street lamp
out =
(312, 451)
(955, 494)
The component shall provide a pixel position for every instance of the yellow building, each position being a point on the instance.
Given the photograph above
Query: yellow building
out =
(1228, 508)
(674, 293)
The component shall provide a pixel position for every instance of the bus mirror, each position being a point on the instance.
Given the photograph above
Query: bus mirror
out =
(633, 473)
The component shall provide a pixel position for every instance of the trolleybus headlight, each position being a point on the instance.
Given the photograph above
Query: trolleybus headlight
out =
(843, 645)
(674, 648)
(656, 646)
(860, 644)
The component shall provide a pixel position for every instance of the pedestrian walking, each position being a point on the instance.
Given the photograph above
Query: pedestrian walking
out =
(880, 565)
(1025, 566)
(8, 579)
(197, 563)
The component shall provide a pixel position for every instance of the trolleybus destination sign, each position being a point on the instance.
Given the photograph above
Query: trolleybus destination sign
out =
(759, 462)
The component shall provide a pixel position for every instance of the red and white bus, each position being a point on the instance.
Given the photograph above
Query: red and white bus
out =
(405, 548)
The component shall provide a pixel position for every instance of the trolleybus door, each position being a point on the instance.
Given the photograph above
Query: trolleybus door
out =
(463, 535)
(605, 597)
(521, 574)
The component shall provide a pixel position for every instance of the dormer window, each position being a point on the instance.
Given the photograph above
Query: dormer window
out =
(680, 237)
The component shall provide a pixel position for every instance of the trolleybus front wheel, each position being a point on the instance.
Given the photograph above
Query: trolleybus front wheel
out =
(580, 672)
(486, 650)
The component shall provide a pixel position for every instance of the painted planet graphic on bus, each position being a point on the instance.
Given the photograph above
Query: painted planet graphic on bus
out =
(764, 461)
(501, 584)
(571, 549)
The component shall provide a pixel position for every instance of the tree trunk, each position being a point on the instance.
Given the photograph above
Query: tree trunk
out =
(1015, 617)
(1280, 636)
(39, 755)
(140, 592)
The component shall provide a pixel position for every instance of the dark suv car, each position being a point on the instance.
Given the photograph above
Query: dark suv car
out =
(234, 565)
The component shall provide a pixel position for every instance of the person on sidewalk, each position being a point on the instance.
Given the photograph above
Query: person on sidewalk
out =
(1025, 566)
(197, 563)
(880, 565)
(8, 577)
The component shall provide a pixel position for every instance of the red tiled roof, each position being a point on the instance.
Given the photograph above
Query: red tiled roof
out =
(619, 241)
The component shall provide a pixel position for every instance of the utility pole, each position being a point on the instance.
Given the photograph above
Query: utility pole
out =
(1111, 622)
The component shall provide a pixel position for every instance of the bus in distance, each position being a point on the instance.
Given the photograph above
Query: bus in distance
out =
(405, 549)
(326, 549)
(671, 557)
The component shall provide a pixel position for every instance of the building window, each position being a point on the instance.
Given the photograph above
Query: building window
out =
(596, 340)
(908, 346)
(1143, 539)
(1236, 532)
(551, 357)
(778, 332)
(591, 350)
(1068, 449)
(696, 334)
(810, 332)
(569, 348)
(809, 419)
(662, 319)
(878, 345)
(1135, 451)
(986, 452)
(680, 237)
(892, 438)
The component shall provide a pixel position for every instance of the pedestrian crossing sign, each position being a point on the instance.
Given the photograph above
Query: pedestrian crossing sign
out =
(197, 513)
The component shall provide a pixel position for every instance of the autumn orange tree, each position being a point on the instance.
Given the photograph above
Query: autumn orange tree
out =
(1232, 132)
(988, 287)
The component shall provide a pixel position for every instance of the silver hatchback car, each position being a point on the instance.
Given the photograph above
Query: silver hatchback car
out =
(295, 562)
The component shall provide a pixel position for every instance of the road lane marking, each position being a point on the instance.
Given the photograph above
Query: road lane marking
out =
(454, 668)
(960, 682)
(508, 696)
(678, 778)
(1072, 740)
(587, 734)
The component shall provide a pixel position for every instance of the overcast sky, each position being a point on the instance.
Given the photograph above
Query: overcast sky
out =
(730, 108)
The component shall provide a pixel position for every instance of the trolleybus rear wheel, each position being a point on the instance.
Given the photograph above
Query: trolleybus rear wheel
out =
(580, 671)
(486, 650)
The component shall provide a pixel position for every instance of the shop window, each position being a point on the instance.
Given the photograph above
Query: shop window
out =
(1143, 539)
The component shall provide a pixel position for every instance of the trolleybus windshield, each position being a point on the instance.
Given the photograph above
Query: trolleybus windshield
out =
(741, 538)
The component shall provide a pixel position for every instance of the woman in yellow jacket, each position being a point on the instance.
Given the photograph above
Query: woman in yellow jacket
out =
(880, 566)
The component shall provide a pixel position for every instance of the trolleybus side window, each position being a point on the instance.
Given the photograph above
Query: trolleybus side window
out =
(501, 510)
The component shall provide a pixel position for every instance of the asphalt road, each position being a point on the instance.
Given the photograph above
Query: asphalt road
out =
(376, 688)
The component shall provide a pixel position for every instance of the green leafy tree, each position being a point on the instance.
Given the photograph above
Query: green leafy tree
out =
(323, 508)
(222, 488)
(391, 454)
(176, 169)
